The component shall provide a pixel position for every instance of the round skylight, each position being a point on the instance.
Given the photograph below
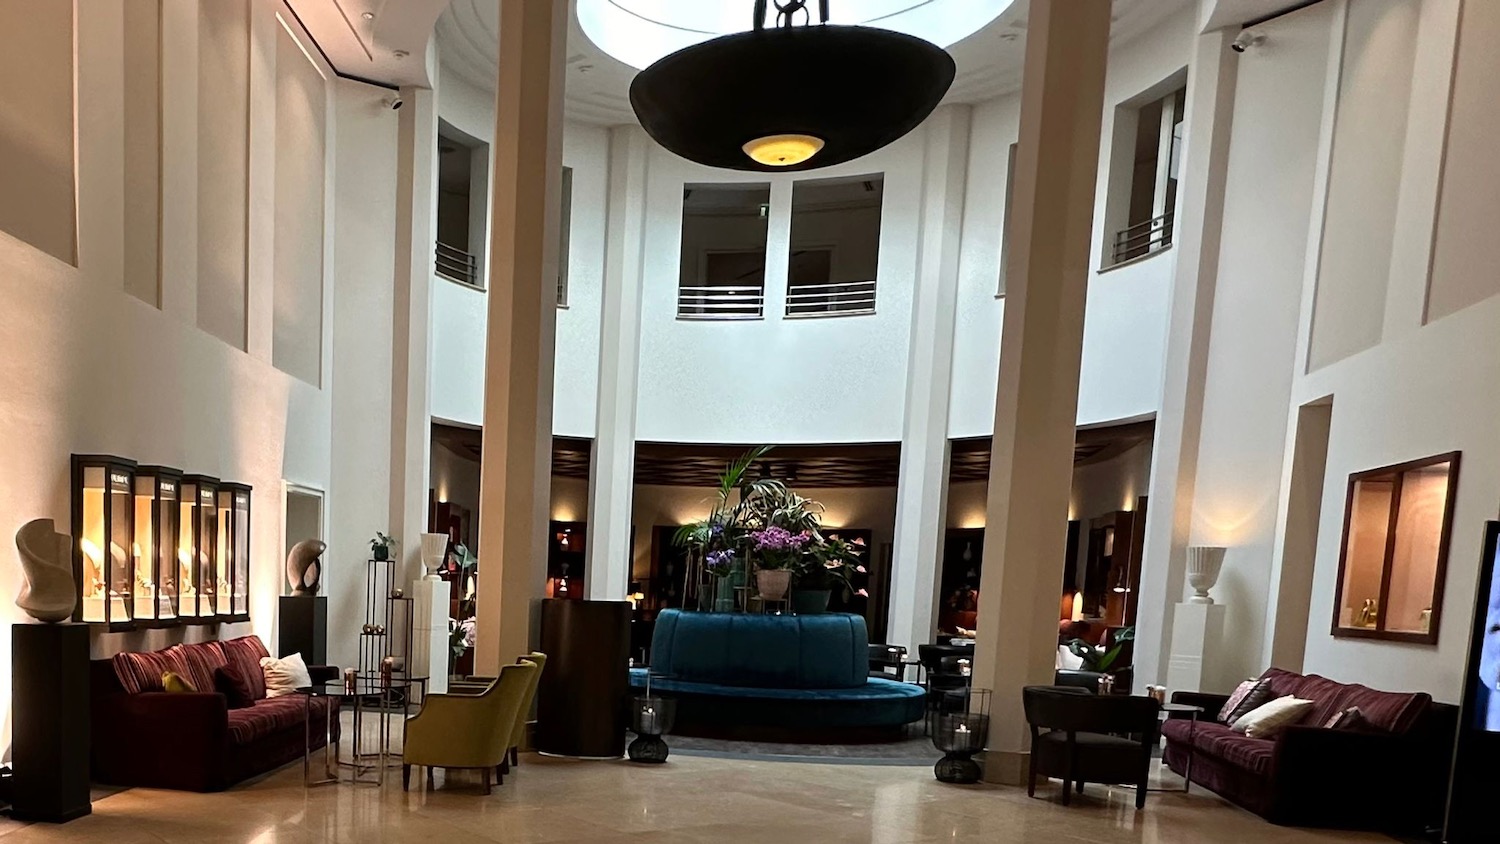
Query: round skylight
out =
(638, 32)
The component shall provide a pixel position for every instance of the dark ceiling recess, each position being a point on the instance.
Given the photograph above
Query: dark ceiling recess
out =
(970, 458)
(806, 466)
(845, 91)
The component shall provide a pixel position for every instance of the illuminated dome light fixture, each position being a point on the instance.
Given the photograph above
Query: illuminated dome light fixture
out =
(791, 97)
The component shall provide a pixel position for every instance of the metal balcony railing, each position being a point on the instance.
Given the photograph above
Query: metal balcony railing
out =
(1143, 238)
(745, 302)
(456, 264)
(835, 299)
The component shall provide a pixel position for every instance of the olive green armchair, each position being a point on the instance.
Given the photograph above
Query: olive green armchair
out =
(476, 685)
(468, 731)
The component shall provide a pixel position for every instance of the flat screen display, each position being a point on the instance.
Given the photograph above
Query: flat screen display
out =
(1485, 713)
(1476, 776)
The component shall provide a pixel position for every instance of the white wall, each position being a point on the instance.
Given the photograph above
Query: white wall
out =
(458, 312)
(93, 368)
(1268, 200)
(795, 381)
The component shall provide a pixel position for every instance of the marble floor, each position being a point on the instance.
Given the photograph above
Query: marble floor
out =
(689, 799)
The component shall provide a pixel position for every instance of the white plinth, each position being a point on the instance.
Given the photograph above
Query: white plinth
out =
(430, 599)
(1197, 647)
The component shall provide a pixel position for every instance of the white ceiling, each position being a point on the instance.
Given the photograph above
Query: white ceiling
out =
(389, 46)
(989, 61)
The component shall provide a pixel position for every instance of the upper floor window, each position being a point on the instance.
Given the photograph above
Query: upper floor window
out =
(835, 246)
(462, 206)
(723, 271)
(1141, 211)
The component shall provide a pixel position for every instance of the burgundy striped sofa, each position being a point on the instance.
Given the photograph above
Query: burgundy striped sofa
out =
(1390, 775)
(193, 741)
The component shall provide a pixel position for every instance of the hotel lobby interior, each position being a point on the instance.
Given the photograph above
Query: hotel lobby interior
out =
(761, 420)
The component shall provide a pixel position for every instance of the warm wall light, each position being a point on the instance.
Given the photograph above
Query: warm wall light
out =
(1078, 605)
(783, 150)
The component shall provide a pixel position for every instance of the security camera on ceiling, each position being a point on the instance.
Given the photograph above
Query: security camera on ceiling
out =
(1246, 39)
(393, 102)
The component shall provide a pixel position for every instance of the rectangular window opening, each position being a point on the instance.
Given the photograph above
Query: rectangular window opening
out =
(723, 266)
(835, 246)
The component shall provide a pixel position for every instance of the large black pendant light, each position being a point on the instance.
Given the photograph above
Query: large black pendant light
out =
(790, 97)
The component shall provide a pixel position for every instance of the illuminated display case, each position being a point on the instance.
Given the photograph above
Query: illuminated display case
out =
(103, 528)
(157, 512)
(197, 549)
(233, 552)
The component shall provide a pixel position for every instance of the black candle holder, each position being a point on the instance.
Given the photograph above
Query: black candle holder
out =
(960, 734)
(651, 717)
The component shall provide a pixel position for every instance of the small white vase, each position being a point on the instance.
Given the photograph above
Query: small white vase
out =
(1203, 565)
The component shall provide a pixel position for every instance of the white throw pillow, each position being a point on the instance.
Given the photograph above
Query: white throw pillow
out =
(1268, 719)
(1067, 659)
(285, 675)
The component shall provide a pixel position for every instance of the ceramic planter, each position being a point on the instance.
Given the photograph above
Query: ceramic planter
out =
(773, 583)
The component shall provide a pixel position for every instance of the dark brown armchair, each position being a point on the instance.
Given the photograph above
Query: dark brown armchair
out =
(1081, 737)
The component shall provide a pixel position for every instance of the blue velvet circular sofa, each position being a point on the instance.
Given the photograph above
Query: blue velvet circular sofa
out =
(730, 671)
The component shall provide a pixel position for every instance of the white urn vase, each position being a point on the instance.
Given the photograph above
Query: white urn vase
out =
(434, 545)
(1203, 565)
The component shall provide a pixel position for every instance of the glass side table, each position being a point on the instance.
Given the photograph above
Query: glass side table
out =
(366, 765)
(1168, 710)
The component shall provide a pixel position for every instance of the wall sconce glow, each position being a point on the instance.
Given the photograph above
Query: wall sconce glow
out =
(783, 150)
(1078, 605)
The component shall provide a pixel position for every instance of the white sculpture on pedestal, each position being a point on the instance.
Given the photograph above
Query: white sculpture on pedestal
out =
(1203, 565)
(48, 593)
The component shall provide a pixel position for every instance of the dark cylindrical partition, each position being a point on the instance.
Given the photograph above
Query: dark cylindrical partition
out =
(581, 707)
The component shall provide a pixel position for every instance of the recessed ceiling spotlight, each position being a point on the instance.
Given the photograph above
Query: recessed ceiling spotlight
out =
(400, 54)
(369, 16)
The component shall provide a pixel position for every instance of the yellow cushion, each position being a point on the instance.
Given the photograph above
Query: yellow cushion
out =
(174, 682)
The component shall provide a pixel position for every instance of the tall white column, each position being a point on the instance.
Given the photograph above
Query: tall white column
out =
(411, 344)
(921, 494)
(1031, 466)
(612, 462)
(1212, 72)
(515, 471)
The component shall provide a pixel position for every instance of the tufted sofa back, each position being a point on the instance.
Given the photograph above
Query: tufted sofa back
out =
(829, 651)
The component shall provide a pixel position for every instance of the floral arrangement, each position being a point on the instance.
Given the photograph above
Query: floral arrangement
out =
(764, 524)
(778, 548)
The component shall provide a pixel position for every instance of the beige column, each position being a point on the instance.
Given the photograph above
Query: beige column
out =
(1031, 467)
(515, 472)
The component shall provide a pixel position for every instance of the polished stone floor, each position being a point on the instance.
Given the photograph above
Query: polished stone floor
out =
(690, 799)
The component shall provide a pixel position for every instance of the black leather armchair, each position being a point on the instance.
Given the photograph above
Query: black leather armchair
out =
(1081, 737)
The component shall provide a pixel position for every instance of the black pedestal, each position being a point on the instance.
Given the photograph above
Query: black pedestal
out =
(581, 700)
(303, 628)
(50, 700)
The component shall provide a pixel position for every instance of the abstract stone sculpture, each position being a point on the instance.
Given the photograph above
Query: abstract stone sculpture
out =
(304, 566)
(49, 593)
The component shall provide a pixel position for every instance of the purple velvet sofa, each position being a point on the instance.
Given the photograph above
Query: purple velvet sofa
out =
(1389, 776)
(195, 741)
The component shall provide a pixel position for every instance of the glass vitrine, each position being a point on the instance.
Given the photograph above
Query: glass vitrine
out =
(1395, 550)
(103, 526)
(197, 549)
(233, 551)
(157, 510)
